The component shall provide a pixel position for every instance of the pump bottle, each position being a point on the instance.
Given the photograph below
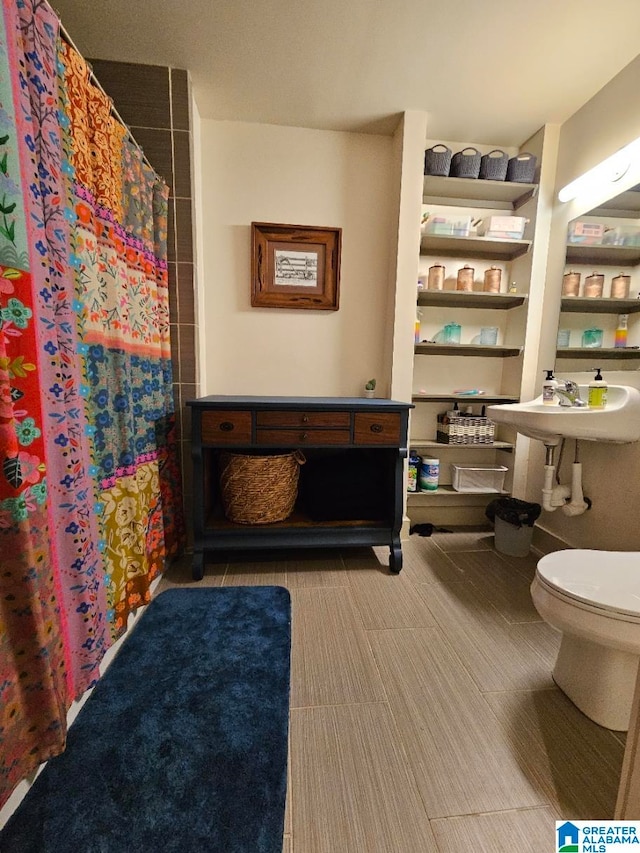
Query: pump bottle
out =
(549, 389)
(621, 331)
(597, 391)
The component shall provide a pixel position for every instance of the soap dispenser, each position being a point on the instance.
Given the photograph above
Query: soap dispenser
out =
(597, 391)
(549, 389)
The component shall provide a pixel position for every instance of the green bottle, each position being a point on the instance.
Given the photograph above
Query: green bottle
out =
(597, 391)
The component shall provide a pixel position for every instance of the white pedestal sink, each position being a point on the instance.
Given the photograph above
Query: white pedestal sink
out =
(619, 422)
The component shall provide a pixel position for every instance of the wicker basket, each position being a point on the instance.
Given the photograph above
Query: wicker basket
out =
(466, 163)
(259, 489)
(522, 169)
(437, 160)
(493, 166)
(473, 429)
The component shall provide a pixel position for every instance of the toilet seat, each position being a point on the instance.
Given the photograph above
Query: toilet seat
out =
(604, 582)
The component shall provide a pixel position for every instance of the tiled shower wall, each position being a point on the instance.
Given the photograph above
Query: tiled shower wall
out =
(153, 100)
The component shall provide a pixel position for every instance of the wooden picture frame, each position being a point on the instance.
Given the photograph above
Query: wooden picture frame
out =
(295, 266)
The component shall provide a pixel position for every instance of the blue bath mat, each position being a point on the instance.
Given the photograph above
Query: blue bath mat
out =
(182, 746)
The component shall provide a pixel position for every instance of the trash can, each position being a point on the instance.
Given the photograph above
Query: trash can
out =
(513, 520)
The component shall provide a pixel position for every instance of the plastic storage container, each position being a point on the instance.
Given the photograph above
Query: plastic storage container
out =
(478, 478)
(503, 227)
(587, 233)
(429, 475)
(448, 226)
(622, 235)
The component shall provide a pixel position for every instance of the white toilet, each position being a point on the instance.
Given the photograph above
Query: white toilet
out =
(593, 598)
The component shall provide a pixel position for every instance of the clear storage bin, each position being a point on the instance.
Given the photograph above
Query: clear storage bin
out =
(478, 478)
(448, 226)
(587, 233)
(503, 227)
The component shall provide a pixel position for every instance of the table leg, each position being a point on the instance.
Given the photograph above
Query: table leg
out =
(197, 566)
(395, 556)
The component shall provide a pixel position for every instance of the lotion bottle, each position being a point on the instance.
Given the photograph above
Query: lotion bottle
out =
(549, 389)
(597, 391)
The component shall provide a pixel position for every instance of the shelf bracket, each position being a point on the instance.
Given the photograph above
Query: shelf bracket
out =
(525, 197)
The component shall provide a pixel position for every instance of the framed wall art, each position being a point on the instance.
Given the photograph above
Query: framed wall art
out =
(295, 266)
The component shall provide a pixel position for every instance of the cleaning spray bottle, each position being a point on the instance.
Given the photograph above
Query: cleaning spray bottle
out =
(549, 389)
(415, 461)
(597, 391)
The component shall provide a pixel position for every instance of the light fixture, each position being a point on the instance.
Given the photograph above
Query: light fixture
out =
(609, 171)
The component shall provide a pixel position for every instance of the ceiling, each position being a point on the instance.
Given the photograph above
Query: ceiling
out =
(488, 71)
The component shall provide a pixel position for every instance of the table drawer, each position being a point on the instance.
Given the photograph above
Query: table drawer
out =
(377, 428)
(302, 437)
(226, 427)
(303, 419)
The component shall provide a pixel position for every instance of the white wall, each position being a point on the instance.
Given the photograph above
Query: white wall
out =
(409, 144)
(295, 176)
(611, 473)
(607, 122)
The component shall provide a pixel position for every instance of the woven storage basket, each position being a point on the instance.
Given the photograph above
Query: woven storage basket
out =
(522, 169)
(466, 163)
(259, 489)
(474, 429)
(437, 160)
(493, 166)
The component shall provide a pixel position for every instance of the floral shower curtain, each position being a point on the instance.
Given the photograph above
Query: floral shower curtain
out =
(89, 501)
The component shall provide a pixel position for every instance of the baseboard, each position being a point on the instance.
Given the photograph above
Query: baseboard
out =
(546, 542)
(406, 525)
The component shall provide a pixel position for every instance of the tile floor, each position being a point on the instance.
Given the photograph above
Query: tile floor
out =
(423, 713)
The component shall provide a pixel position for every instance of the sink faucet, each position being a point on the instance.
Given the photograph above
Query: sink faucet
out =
(569, 394)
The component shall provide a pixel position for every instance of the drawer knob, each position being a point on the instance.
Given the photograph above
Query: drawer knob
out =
(226, 426)
(305, 419)
(376, 427)
(304, 436)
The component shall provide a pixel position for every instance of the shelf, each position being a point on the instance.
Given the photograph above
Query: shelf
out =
(467, 350)
(606, 305)
(596, 353)
(614, 256)
(449, 492)
(488, 248)
(217, 521)
(461, 299)
(431, 442)
(473, 192)
(625, 206)
(471, 399)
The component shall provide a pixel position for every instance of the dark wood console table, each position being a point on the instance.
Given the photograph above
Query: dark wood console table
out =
(318, 426)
